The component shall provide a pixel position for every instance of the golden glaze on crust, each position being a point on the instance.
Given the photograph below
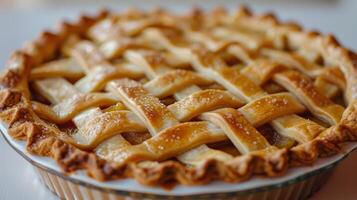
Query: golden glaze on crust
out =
(18, 112)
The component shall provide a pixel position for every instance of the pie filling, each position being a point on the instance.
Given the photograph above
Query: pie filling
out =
(152, 87)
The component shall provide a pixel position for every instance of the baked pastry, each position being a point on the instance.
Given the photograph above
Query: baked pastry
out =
(187, 99)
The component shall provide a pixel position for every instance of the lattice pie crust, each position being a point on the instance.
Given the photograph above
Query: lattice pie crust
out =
(167, 99)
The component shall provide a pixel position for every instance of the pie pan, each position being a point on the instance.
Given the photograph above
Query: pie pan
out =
(297, 183)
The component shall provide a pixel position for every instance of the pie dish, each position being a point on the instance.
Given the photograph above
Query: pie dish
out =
(171, 99)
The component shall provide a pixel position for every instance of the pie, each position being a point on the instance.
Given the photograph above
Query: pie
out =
(181, 99)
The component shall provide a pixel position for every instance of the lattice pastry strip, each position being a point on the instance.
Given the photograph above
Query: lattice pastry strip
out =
(330, 90)
(214, 45)
(236, 127)
(66, 68)
(317, 103)
(251, 40)
(291, 60)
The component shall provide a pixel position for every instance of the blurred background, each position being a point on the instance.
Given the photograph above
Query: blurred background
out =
(23, 20)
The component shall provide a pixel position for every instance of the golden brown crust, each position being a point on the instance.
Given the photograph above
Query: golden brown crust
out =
(45, 140)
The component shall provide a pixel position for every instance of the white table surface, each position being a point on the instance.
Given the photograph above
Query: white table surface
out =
(17, 179)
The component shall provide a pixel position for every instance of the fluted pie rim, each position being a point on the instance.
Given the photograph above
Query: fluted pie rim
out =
(115, 187)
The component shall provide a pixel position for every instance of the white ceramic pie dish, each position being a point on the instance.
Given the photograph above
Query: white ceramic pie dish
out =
(299, 182)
